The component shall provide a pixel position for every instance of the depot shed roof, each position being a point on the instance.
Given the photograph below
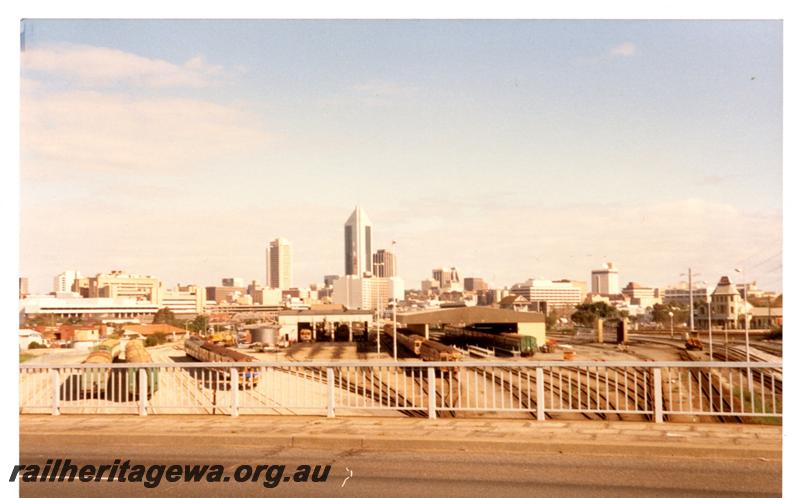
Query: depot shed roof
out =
(469, 315)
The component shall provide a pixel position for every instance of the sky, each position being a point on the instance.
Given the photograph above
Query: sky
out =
(509, 149)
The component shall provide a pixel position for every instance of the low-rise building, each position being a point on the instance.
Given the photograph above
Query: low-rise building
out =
(429, 286)
(84, 308)
(184, 299)
(121, 284)
(224, 294)
(726, 307)
(680, 295)
(514, 302)
(766, 318)
(152, 329)
(28, 337)
(640, 295)
(558, 294)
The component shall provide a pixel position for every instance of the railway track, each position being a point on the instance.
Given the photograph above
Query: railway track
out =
(386, 395)
(714, 396)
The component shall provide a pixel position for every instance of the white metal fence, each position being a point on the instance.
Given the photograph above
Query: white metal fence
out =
(658, 391)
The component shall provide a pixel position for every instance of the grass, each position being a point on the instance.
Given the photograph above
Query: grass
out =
(754, 405)
(23, 357)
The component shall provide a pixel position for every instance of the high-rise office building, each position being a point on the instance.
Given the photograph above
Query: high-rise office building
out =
(448, 279)
(233, 282)
(357, 243)
(121, 284)
(384, 264)
(279, 264)
(606, 280)
(563, 293)
(475, 284)
(63, 281)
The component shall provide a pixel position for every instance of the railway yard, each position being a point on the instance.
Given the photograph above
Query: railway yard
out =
(579, 388)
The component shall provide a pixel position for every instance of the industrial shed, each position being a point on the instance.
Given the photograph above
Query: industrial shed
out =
(524, 323)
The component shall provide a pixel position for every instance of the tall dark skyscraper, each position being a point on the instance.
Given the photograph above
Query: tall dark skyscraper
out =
(357, 243)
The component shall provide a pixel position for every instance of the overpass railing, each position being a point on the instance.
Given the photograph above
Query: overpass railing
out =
(608, 390)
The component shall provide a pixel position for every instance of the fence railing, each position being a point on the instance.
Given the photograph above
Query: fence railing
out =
(657, 391)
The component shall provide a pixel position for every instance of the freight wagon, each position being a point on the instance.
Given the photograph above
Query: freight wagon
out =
(205, 351)
(135, 352)
(94, 381)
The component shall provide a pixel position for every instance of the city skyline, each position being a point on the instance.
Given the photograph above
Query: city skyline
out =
(510, 150)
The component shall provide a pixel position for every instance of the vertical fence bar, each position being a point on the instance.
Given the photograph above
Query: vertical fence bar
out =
(329, 373)
(234, 386)
(539, 393)
(659, 408)
(56, 380)
(669, 386)
(772, 384)
(431, 392)
(142, 392)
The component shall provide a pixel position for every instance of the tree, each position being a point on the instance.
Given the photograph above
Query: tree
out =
(586, 313)
(155, 339)
(680, 314)
(551, 320)
(164, 315)
(199, 324)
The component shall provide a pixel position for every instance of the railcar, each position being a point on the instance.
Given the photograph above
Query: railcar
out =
(426, 349)
(524, 344)
(412, 343)
(201, 350)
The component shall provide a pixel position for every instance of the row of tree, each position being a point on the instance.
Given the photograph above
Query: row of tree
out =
(166, 315)
(585, 314)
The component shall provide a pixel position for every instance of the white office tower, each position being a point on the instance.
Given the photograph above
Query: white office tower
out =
(279, 264)
(606, 280)
(357, 243)
(367, 293)
(63, 281)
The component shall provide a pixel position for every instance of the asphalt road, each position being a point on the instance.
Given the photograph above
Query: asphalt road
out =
(438, 474)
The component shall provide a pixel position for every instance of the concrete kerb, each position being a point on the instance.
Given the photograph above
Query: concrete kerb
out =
(601, 438)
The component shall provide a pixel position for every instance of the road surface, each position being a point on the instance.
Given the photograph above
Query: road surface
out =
(424, 473)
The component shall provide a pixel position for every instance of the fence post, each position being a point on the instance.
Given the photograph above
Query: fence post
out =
(234, 384)
(142, 392)
(431, 392)
(658, 402)
(539, 393)
(331, 398)
(55, 378)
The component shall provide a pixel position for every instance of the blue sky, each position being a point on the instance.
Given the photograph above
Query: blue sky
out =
(510, 149)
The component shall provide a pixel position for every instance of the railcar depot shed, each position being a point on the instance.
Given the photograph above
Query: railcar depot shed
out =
(521, 322)
(325, 324)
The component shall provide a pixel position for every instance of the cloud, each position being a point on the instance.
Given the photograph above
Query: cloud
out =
(651, 242)
(97, 67)
(71, 132)
(626, 49)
